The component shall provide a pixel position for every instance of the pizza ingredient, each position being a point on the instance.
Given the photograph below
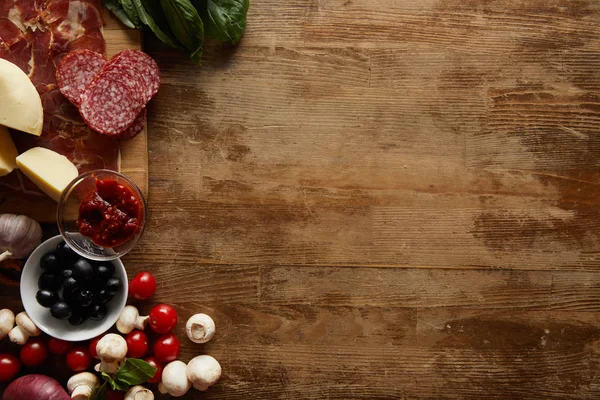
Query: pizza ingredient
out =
(154, 362)
(166, 347)
(137, 344)
(46, 298)
(79, 359)
(61, 310)
(130, 319)
(25, 328)
(163, 318)
(9, 367)
(8, 152)
(19, 236)
(34, 352)
(50, 171)
(111, 350)
(224, 20)
(21, 106)
(82, 385)
(200, 328)
(92, 346)
(39, 387)
(186, 25)
(142, 287)
(139, 392)
(76, 71)
(7, 322)
(174, 379)
(58, 347)
(203, 371)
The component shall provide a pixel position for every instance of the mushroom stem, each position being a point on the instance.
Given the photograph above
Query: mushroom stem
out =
(7, 322)
(111, 350)
(5, 255)
(82, 385)
(130, 319)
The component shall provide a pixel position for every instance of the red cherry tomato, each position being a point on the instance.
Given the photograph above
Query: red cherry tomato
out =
(9, 367)
(114, 394)
(142, 287)
(92, 346)
(79, 359)
(34, 352)
(58, 346)
(137, 344)
(159, 368)
(163, 318)
(166, 348)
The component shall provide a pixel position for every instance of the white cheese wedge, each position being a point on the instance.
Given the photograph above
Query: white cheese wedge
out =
(50, 171)
(20, 103)
(8, 152)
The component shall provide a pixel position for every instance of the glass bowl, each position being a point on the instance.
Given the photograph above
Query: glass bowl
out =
(68, 212)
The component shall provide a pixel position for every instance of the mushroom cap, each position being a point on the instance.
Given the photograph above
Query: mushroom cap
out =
(111, 348)
(7, 322)
(139, 392)
(127, 319)
(200, 328)
(174, 379)
(27, 324)
(203, 371)
(83, 378)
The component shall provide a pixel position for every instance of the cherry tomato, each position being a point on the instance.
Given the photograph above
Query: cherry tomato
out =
(79, 359)
(166, 348)
(142, 287)
(114, 394)
(159, 368)
(58, 346)
(163, 318)
(34, 352)
(9, 367)
(92, 346)
(137, 344)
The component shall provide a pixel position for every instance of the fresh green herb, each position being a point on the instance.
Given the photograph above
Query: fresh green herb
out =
(99, 392)
(186, 25)
(164, 36)
(115, 7)
(114, 383)
(134, 372)
(131, 12)
(225, 19)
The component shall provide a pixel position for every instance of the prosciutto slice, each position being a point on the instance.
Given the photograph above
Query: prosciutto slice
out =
(36, 35)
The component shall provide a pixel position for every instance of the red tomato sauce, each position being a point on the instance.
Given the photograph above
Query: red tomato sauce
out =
(110, 214)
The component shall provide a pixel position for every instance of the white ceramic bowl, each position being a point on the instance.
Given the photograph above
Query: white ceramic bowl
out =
(61, 329)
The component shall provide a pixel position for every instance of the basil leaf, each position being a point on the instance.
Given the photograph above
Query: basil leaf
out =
(131, 12)
(226, 19)
(99, 392)
(134, 372)
(115, 7)
(164, 36)
(186, 25)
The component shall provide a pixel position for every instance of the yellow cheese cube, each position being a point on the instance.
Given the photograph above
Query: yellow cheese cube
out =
(8, 152)
(50, 171)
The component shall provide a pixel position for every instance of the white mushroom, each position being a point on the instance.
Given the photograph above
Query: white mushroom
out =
(82, 385)
(25, 328)
(200, 328)
(203, 372)
(111, 349)
(130, 319)
(139, 393)
(7, 322)
(174, 379)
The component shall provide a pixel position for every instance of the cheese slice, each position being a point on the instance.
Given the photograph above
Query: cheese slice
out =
(20, 103)
(50, 171)
(8, 152)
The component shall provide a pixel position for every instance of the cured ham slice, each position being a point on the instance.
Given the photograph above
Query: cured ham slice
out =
(36, 35)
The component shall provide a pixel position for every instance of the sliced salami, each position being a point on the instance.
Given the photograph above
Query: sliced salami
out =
(109, 106)
(143, 66)
(135, 128)
(128, 77)
(76, 71)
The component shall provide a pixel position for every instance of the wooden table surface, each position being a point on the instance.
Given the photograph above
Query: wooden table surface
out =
(385, 199)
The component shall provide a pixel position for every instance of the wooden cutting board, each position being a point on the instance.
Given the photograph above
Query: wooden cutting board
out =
(134, 152)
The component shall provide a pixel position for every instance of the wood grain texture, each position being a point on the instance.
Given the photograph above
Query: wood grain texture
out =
(384, 199)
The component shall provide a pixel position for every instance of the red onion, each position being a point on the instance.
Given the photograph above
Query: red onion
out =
(39, 387)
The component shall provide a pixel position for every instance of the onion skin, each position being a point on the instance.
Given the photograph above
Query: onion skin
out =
(39, 387)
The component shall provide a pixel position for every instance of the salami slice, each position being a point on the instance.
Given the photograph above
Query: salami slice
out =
(143, 66)
(128, 77)
(109, 106)
(76, 71)
(135, 128)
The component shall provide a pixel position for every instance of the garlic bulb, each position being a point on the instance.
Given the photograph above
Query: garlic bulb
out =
(19, 236)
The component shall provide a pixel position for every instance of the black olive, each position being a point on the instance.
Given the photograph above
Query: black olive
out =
(46, 298)
(97, 312)
(70, 283)
(82, 270)
(103, 297)
(65, 253)
(49, 262)
(113, 285)
(77, 319)
(49, 281)
(60, 310)
(102, 273)
(66, 274)
(84, 298)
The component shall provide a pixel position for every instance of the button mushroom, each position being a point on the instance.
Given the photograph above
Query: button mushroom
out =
(130, 319)
(139, 393)
(174, 379)
(111, 350)
(203, 372)
(25, 328)
(82, 385)
(7, 322)
(200, 328)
